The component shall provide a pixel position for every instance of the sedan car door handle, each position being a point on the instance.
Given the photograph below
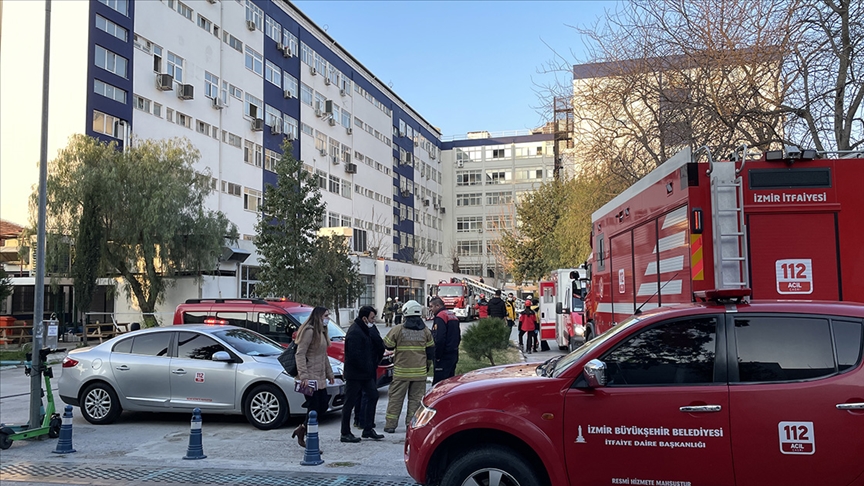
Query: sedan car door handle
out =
(181, 371)
(850, 406)
(122, 368)
(701, 408)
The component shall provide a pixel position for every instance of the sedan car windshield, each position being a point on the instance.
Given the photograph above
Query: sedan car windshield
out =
(249, 343)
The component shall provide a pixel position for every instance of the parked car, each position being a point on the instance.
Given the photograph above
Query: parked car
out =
(220, 369)
(277, 319)
(721, 393)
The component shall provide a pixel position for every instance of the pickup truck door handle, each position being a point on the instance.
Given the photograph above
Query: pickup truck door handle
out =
(701, 408)
(180, 371)
(850, 406)
(122, 368)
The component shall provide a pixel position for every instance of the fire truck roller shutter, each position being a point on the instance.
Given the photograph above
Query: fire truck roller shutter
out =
(794, 256)
(621, 262)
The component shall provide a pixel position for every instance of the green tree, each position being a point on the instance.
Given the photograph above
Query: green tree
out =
(333, 278)
(488, 335)
(5, 285)
(287, 232)
(141, 210)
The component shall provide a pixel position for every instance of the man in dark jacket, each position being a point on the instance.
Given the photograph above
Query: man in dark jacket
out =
(363, 351)
(497, 307)
(447, 336)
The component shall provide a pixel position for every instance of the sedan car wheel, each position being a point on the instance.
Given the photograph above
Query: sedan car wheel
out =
(266, 407)
(99, 404)
(490, 466)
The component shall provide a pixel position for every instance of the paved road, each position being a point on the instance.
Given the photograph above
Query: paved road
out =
(147, 448)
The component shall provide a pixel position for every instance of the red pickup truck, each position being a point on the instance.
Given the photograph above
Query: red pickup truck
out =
(719, 393)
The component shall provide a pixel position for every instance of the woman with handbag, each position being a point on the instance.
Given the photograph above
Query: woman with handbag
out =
(313, 364)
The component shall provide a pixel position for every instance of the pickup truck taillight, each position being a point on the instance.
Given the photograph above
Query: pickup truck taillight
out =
(69, 362)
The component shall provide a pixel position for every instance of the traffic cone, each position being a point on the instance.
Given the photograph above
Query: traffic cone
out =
(195, 449)
(312, 456)
(64, 443)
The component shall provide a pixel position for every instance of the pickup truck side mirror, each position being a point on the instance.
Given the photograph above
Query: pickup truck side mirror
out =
(595, 373)
(559, 307)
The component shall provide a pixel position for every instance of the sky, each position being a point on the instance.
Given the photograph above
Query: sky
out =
(462, 65)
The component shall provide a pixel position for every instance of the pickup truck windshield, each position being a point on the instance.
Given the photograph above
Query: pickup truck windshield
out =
(566, 362)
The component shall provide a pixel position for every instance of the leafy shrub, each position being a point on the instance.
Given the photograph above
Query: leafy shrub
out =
(484, 337)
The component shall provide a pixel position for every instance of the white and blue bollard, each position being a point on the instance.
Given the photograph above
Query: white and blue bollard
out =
(312, 456)
(64, 443)
(196, 448)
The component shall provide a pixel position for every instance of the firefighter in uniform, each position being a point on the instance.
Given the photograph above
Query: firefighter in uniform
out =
(397, 310)
(388, 312)
(413, 353)
(447, 336)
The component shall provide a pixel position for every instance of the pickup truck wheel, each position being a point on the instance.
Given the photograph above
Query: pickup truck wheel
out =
(490, 466)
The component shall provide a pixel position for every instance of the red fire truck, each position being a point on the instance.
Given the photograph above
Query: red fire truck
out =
(458, 297)
(786, 224)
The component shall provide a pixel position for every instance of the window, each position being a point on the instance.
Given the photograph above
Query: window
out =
(175, 66)
(251, 200)
(106, 25)
(493, 198)
(273, 29)
(142, 104)
(475, 199)
(671, 353)
(289, 84)
(232, 41)
(124, 346)
(272, 116)
(273, 73)
(152, 344)
(532, 174)
(110, 61)
(469, 223)
(772, 349)
(254, 61)
(469, 247)
(346, 192)
(121, 6)
(107, 125)
(204, 23)
(235, 91)
(498, 176)
(191, 345)
(306, 94)
(109, 91)
(499, 222)
(255, 14)
(469, 178)
(184, 120)
(184, 10)
(231, 188)
(305, 54)
(254, 106)
(847, 335)
(289, 126)
(368, 295)
(270, 159)
(202, 127)
(211, 85)
(157, 59)
(290, 40)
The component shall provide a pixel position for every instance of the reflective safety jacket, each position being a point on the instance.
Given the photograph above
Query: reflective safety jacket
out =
(412, 347)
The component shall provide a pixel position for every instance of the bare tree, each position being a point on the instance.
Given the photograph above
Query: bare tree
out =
(664, 74)
(379, 243)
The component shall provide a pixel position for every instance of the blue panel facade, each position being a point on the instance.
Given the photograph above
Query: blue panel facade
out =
(117, 46)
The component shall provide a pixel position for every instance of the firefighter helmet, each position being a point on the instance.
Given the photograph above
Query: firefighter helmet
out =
(412, 308)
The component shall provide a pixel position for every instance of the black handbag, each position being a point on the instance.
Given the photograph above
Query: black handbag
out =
(288, 359)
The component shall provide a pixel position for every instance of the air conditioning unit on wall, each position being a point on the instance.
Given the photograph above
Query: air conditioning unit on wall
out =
(258, 124)
(186, 92)
(250, 24)
(164, 82)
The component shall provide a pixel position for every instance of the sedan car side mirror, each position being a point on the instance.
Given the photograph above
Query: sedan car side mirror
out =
(595, 373)
(222, 356)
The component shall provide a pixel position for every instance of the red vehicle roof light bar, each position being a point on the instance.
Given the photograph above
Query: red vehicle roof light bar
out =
(723, 296)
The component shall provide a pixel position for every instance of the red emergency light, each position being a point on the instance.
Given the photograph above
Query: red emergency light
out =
(214, 321)
(723, 295)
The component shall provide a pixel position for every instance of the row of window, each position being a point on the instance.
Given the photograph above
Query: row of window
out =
(371, 163)
(492, 198)
(475, 154)
(335, 185)
(494, 222)
(422, 246)
(365, 191)
(501, 176)
(475, 247)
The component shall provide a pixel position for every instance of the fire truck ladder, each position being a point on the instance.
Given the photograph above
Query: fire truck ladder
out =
(478, 288)
(729, 228)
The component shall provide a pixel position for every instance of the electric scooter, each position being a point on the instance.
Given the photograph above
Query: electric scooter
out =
(51, 421)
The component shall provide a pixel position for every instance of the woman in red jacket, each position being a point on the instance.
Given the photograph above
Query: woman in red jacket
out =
(527, 325)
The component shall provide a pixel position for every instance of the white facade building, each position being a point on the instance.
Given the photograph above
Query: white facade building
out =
(235, 77)
(485, 174)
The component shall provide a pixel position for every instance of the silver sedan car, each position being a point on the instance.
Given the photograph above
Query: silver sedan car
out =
(220, 369)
